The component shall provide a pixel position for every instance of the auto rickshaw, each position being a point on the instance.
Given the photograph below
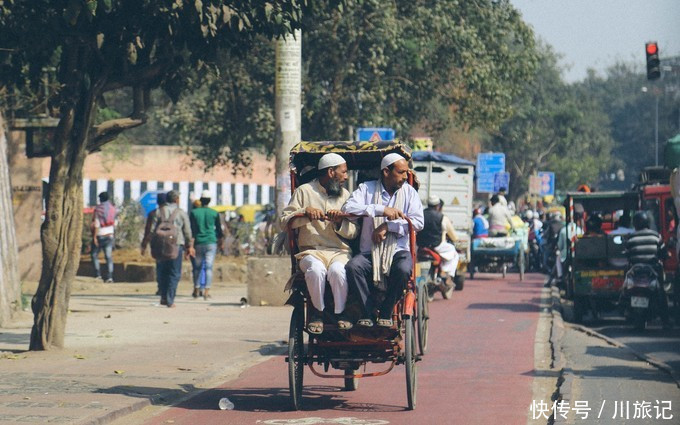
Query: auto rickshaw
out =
(596, 262)
(350, 350)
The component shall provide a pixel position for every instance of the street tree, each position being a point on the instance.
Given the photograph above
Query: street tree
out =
(10, 287)
(555, 127)
(98, 46)
(402, 64)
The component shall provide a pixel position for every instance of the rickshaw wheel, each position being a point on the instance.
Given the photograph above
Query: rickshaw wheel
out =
(410, 362)
(505, 270)
(351, 384)
(423, 318)
(521, 266)
(296, 353)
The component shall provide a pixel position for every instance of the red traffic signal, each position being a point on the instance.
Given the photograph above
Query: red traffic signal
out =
(651, 48)
(653, 63)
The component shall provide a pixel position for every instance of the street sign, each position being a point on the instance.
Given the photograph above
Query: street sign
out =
(534, 185)
(149, 201)
(547, 183)
(488, 164)
(375, 134)
(501, 181)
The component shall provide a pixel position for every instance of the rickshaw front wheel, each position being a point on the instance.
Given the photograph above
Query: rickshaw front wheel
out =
(410, 362)
(423, 317)
(351, 384)
(296, 355)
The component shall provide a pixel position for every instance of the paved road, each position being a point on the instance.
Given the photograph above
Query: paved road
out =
(479, 370)
(661, 344)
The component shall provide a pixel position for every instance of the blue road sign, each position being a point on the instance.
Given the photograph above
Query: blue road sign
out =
(375, 134)
(149, 201)
(501, 181)
(547, 183)
(488, 164)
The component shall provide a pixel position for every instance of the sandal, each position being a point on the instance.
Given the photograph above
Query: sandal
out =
(385, 323)
(315, 327)
(365, 322)
(344, 324)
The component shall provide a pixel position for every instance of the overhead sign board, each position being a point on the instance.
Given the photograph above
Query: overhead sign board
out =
(501, 181)
(547, 183)
(375, 134)
(488, 164)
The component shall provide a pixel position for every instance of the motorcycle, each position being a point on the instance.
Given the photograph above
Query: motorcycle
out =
(640, 294)
(435, 282)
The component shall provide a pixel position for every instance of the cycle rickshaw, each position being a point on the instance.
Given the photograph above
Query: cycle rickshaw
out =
(349, 350)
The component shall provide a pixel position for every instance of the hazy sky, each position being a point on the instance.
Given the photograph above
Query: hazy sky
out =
(597, 33)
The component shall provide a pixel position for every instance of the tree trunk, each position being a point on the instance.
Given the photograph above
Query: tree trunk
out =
(62, 229)
(10, 286)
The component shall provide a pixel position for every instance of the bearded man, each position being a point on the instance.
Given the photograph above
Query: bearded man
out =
(322, 237)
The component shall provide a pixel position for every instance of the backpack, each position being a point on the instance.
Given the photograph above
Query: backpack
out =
(164, 238)
(106, 214)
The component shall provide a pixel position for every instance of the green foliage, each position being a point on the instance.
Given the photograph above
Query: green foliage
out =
(632, 114)
(402, 64)
(130, 227)
(557, 128)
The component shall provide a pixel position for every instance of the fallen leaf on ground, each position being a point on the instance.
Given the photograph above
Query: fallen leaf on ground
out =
(79, 356)
(119, 372)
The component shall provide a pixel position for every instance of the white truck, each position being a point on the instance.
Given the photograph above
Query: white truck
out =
(451, 178)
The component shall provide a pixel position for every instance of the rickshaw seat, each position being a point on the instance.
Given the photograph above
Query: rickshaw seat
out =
(427, 254)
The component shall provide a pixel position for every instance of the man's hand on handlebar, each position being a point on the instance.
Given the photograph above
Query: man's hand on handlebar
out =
(335, 216)
(393, 213)
(314, 213)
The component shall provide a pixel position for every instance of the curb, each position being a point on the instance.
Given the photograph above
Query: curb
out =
(566, 377)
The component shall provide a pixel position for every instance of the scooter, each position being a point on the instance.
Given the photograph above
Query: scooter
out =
(435, 281)
(640, 294)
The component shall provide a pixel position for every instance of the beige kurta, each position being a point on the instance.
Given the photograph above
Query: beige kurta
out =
(323, 239)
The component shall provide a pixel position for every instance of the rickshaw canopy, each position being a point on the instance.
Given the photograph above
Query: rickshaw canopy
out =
(601, 201)
(305, 156)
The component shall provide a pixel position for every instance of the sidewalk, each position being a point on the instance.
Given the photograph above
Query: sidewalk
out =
(609, 379)
(124, 352)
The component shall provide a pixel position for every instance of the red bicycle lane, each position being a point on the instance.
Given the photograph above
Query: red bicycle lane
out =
(478, 370)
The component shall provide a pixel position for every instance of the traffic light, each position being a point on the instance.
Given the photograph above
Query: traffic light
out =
(653, 66)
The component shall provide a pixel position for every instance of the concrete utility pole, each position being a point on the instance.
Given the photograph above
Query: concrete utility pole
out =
(287, 110)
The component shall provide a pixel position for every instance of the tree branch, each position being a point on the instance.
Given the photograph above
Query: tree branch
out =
(109, 130)
(139, 76)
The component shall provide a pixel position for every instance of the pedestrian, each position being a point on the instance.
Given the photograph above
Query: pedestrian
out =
(207, 231)
(384, 264)
(170, 270)
(323, 238)
(103, 226)
(160, 201)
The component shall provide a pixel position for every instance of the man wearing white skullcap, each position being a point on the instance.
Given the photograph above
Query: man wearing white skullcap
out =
(384, 263)
(324, 250)
(433, 236)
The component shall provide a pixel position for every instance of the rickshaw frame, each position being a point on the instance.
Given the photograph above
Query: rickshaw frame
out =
(348, 350)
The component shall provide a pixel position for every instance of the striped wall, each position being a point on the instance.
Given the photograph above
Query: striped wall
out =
(223, 193)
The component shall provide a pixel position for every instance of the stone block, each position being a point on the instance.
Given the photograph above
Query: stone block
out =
(136, 272)
(267, 277)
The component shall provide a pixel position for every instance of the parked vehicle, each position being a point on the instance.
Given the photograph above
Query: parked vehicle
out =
(451, 178)
(595, 262)
(430, 260)
(640, 294)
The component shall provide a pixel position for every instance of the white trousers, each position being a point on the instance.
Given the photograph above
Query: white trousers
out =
(315, 276)
(449, 256)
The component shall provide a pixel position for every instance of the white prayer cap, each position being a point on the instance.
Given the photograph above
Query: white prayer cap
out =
(206, 194)
(330, 160)
(390, 159)
(433, 200)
